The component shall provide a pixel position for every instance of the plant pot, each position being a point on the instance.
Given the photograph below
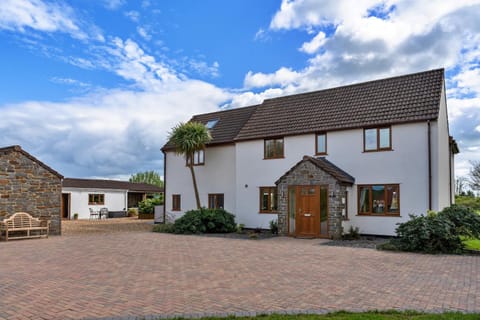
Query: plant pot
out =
(146, 216)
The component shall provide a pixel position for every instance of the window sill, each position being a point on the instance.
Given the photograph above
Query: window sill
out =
(379, 215)
(321, 154)
(378, 150)
(268, 212)
(176, 210)
(283, 157)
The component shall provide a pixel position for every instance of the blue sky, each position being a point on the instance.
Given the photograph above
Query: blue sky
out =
(93, 87)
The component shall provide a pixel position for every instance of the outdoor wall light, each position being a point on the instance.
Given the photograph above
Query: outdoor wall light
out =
(246, 185)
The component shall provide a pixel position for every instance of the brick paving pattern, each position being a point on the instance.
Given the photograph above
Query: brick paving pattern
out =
(125, 275)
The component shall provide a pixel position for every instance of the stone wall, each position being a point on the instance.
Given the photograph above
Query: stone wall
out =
(306, 173)
(27, 186)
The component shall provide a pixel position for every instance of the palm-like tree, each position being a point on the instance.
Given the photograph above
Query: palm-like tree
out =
(189, 138)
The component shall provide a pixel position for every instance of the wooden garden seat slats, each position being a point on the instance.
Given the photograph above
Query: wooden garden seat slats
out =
(22, 225)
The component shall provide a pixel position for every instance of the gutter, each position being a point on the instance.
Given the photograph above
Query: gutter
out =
(429, 138)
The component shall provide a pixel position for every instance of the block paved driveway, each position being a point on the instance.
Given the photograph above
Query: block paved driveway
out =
(133, 274)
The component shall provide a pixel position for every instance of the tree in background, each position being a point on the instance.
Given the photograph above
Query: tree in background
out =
(150, 177)
(189, 138)
(460, 185)
(475, 176)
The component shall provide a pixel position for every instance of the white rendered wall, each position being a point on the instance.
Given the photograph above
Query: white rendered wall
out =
(441, 187)
(115, 200)
(406, 165)
(216, 176)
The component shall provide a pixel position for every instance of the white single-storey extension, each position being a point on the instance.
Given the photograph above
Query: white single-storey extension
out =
(365, 155)
(81, 195)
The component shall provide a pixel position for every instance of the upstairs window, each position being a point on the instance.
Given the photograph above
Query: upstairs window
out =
(97, 198)
(215, 201)
(268, 199)
(321, 144)
(377, 139)
(198, 158)
(273, 148)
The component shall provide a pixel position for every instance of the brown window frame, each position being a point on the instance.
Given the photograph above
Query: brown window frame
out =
(196, 158)
(92, 196)
(214, 198)
(378, 148)
(371, 202)
(269, 189)
(176, 202)
(316, 143)
(275, 156)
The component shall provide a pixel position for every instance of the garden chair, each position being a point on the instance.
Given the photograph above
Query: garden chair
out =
(93, 214)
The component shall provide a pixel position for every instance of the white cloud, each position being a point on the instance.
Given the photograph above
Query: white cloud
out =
(133, 15)
(35, 14)
(144, 33)
(202, 68)
(315, 44)
(282, 77)
(108, 133)
(113, 4)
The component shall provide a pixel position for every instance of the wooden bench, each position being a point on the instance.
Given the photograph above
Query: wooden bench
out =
(21, 225)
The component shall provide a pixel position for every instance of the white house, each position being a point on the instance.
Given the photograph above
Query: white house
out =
(364, 155)
(81, 195)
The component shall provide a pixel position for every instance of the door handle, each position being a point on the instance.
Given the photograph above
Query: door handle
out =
(307, 215)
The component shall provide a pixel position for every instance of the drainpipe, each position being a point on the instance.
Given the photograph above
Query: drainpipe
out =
(164, 185)
(429, 166)
(450, 171)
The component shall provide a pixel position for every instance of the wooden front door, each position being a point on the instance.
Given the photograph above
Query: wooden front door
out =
(307, 211)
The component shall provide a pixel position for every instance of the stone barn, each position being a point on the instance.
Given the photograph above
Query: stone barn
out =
(29, 185)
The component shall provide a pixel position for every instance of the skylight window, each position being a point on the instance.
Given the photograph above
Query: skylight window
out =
(211, 123)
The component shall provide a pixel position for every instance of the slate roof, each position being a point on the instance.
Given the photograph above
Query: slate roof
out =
(408, 98)
(110, 184)
(229, 124)
(323, 164)
(17, 148)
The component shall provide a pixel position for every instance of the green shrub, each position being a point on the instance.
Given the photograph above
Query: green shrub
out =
(163, 228)
(148, 205)
(274, 226)
(240, 228)
(352, 234)
(205, 221)
(437, 233)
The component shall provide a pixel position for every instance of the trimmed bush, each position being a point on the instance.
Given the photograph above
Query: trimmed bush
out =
(148, 205)
(437, 233)
(205, 221)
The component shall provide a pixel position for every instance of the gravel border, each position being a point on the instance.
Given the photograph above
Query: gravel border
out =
(369, 242)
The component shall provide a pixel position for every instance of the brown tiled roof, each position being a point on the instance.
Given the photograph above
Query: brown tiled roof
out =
(110, 184)
(408, 98)
(28, 155)
(327, 167)
(229, 124)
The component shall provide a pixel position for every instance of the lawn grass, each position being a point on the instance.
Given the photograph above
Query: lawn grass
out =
(373, 315)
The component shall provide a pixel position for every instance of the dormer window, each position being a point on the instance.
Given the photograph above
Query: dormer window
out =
(211, 123)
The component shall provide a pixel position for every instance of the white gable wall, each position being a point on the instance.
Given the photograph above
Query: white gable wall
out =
(216, 176)
(115, 200)
(441, 186)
